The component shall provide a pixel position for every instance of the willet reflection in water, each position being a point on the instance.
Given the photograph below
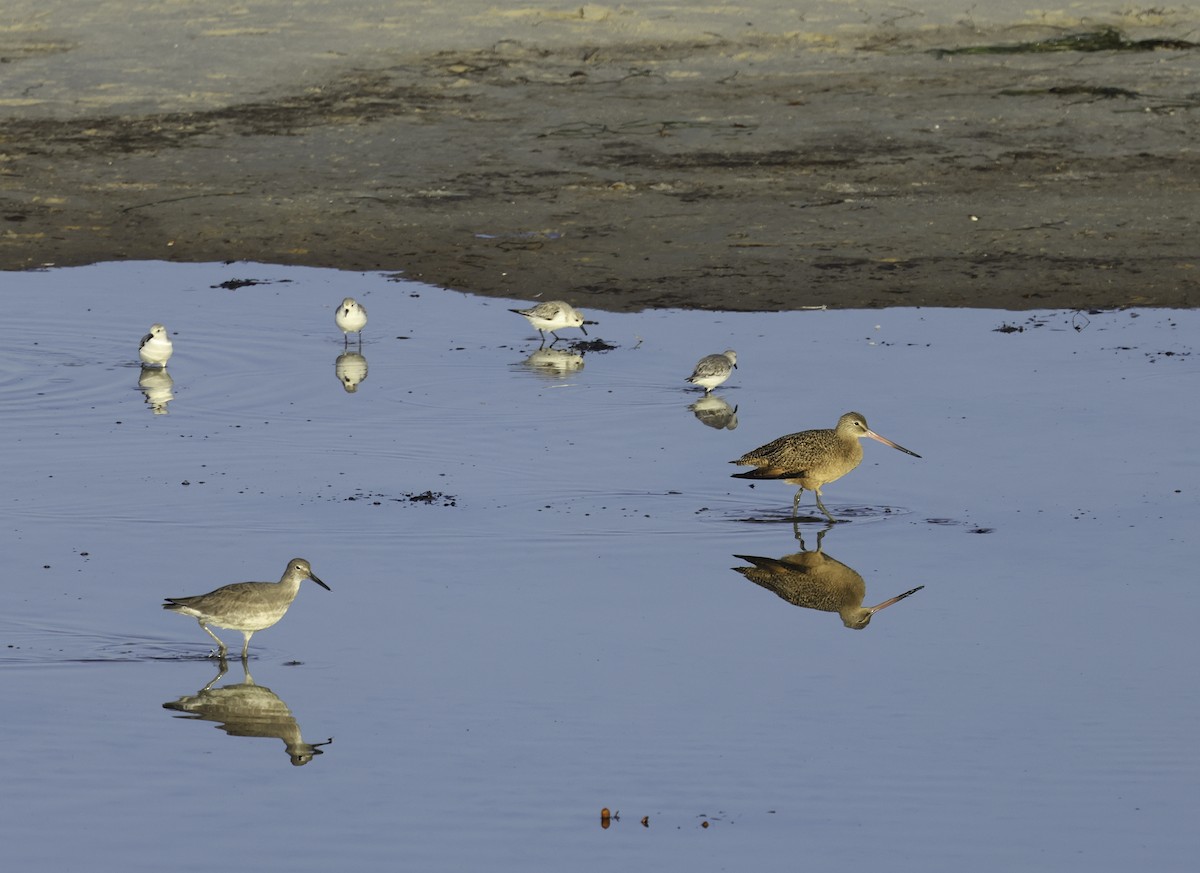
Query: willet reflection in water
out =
(554, 363)
(156, 383)
(816, 581)
(351, 369)
(713, 411)
(246, 709)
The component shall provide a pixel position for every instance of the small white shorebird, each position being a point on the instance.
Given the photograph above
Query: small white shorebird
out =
(351, 317)
(245, 606)
(551, 316)
(712, 370)
(155, 348)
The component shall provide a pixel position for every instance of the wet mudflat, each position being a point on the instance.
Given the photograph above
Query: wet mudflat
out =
(537, 609)
(747, 157)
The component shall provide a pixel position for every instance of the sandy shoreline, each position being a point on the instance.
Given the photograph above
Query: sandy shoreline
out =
(734, 158)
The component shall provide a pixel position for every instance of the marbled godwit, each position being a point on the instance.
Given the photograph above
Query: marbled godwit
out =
(245, 606)
(551, 316)
(816, 581)
(712, 370)
(156, 348)
(813, 458)
(351, 317)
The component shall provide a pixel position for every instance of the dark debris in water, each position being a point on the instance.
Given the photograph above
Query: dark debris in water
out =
(235, 284)
(1105, 39)
(427, 497)
(596, 345)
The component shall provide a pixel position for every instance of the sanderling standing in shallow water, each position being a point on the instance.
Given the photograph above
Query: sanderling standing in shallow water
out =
(551, 316)
(712, 370)
(351, 317)
(156, 348)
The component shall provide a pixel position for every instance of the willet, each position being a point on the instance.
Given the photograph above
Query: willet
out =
(156, 348)
(813, 458)
(351, 317)
(245, 606)
(713, 370)
(551, 316)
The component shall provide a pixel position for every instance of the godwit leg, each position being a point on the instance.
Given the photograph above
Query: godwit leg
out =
(208, 631)
(828, 514)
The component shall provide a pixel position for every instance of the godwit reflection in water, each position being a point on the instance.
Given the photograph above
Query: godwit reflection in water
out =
(246, 709)
(816, 581)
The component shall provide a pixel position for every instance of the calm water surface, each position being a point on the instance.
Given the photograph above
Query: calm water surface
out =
(556, 625)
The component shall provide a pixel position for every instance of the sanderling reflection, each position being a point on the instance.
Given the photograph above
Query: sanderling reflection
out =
(156, 348)
(715, 412)
(351, 369)
(156, 384)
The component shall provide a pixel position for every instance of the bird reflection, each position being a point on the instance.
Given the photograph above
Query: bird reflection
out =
(715, 412)
(554, 363)
(816, 581)
(156, 383)
(351, 369)
(247, 710)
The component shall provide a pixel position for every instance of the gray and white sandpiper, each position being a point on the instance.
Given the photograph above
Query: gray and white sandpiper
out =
(155, 348)
(552, 315)
(351, 317)
(713, 370)
(813, 458)
(245, 606)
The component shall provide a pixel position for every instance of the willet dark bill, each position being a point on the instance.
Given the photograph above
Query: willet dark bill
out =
(713, 370)
(552, 315)
(245, 606)
(813, 458)
(351, 317)
(156, 347)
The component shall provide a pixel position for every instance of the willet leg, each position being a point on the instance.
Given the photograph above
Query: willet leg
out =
(221, 671)
(208, 631)
(246, 644)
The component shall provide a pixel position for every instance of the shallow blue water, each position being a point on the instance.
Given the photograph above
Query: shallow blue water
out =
(558, 628)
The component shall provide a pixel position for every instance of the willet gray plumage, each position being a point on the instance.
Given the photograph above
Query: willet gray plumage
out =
(245, 606)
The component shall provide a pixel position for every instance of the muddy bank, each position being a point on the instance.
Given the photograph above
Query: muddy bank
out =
(739, 170)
